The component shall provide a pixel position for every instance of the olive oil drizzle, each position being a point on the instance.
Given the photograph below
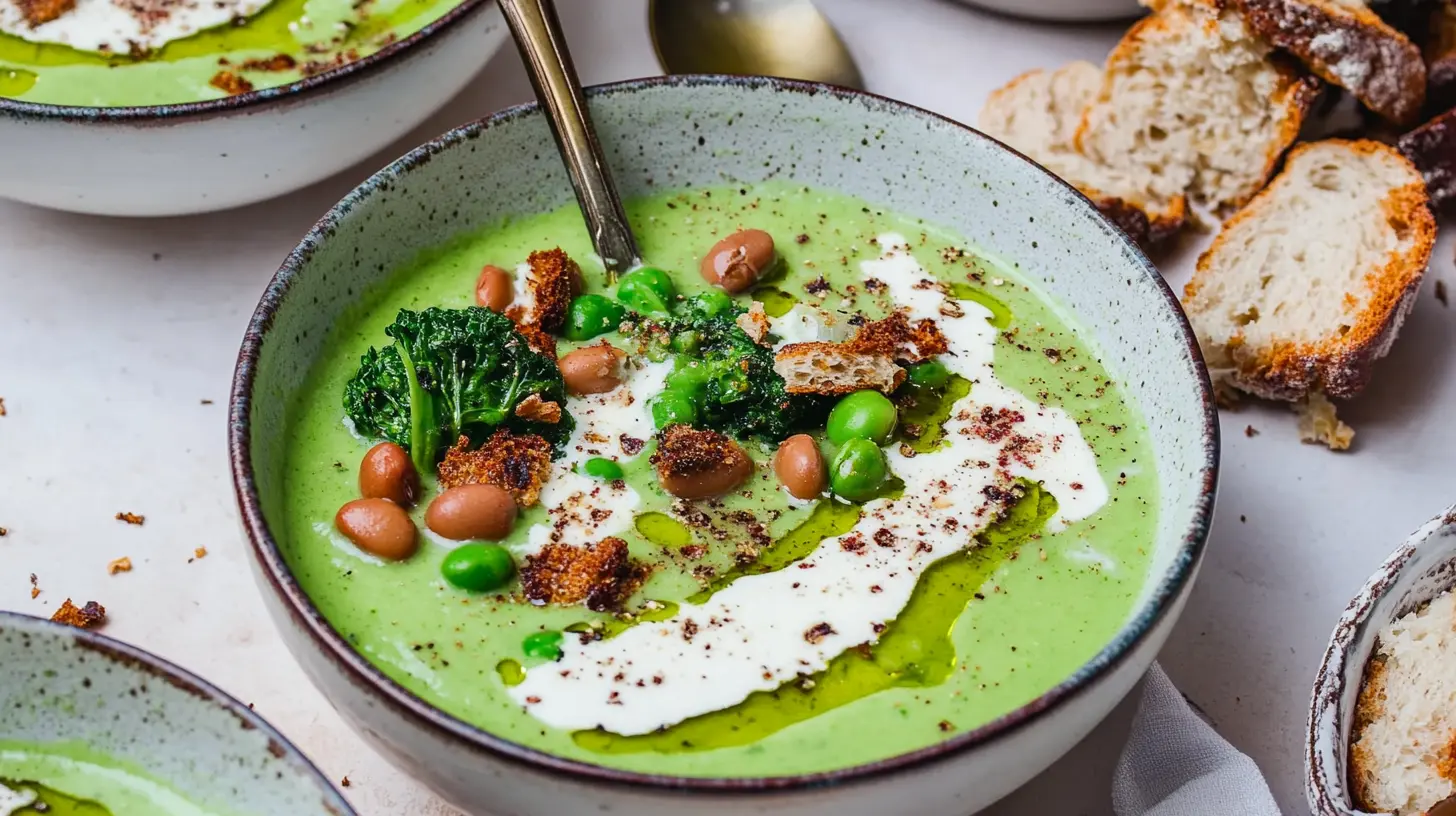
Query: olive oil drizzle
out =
(54, 803)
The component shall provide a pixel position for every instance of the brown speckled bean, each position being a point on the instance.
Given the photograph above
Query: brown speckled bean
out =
(495, 289)
(592, 369)
(387, 473)
(736, 262)
(379, 527)
(800, 466)
(732, 472)
(472, 511)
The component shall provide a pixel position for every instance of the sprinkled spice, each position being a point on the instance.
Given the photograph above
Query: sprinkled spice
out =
(818, 632)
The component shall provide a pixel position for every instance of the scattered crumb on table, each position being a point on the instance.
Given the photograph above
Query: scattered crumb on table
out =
(34, 587)
(122, 564)
(4, 532)
(89, 616)
(1250, 431)
(200, 552)
(344, 783)
(1243, 519)
(2, 406)
(131, 518)
(1440, 293)
(206, 402)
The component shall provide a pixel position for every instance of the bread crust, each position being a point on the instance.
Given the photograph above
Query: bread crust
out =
(1439, 50)
(1346, 45)
(1432, 149)
(1337, 365)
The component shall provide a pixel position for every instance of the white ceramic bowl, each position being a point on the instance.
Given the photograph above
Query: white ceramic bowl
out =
(1067, 10)
(693, 131)
(69, 688)
(1419, 570)
(204, 156)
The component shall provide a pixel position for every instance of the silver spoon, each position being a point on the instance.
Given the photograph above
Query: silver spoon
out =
(784, 38)
(537, 31)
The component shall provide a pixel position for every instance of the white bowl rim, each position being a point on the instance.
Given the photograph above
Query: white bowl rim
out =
(305, 615)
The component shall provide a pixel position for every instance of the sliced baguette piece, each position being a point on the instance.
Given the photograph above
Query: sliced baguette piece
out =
(1432, 149)
(1191, 103)
(1038, 113)
(1348, 45)
(835, 368)
(1306, 287)
(1401, 746)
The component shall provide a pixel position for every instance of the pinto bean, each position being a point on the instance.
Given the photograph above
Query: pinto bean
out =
(387, 473)
(800, 466)
(495, 288)
(592, 369)
(379, 527)
(736, 262)
(472, 511)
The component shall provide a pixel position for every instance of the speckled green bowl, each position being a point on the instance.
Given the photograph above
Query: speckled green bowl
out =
(80, 692)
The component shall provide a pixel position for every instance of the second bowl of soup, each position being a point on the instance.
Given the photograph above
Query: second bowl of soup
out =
(855, 474)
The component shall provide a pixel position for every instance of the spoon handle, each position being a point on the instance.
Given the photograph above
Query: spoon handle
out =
(538, 35)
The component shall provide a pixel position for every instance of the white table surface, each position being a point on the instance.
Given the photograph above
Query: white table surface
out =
(114, 332)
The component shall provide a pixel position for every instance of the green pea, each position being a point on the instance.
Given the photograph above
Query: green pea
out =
(858, 471)
(591, 315)
(708, 304)
(647, 290)
(544, 645)
(689, 377)
(862, 415)
(478, 567)
(686, 342)
(600, 468)
(672, 407)
(929, 374)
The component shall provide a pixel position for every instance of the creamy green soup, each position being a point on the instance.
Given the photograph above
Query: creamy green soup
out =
(57, 780)
(984, 632)
(284, 42)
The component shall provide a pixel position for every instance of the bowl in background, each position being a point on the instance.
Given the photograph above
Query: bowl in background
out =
(687, 131)
(74, 689)
(217, 154)
(1419, 570)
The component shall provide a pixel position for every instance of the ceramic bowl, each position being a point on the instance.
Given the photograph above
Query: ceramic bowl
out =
(80, 691)
(203, 156)
(1085, 11)
(693, 131)
(1419, 570)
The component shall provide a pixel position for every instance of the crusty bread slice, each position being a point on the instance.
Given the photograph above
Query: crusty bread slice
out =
(1038, 113)
(1432, 149)
(1348, 45)
(835, 368)
(1306, 287)
(1403, 744)
(1191, 103)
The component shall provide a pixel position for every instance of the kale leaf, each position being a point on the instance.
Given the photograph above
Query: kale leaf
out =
(451, 373)
(738, 392)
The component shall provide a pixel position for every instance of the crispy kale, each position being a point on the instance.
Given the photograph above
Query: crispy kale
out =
(451, 373)
(731, 378)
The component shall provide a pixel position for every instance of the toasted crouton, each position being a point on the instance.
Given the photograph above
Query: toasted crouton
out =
(1039, 112)
(1432, 149)
(518, 465)
(754, 323)
(553, 281)
(1403, 743)
(895, 338)
(835, 368)
(90, 616)
(40, 12)
(1307, 286)
(535, 409)
(1192, 104)
(602, 575)
(1348, 45)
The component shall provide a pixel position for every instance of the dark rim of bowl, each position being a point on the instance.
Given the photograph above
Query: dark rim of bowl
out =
(362, 673)
(183, 680)
(333, 78)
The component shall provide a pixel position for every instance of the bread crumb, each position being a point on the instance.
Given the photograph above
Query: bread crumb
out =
(122, 564)
(2, 406)
(4, 532)
(517, 464)
(683, 450)
(554, 281)
(40, 12)
(90, 616)
(602, 575)
(344, 783)
(278, 62)
(754, 323)
(200, 552)
(1318, 424)
(230, 83)
(1250, 431)
(131, 518)
(1440, 295)
(535, 409)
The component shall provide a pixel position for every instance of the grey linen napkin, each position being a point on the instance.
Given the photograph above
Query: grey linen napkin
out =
(1175, 764)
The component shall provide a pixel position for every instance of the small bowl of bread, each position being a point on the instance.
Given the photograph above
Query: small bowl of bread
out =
(1382, 724)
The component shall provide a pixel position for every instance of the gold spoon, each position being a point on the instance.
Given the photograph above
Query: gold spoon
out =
(537, 32)
(784, 38)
